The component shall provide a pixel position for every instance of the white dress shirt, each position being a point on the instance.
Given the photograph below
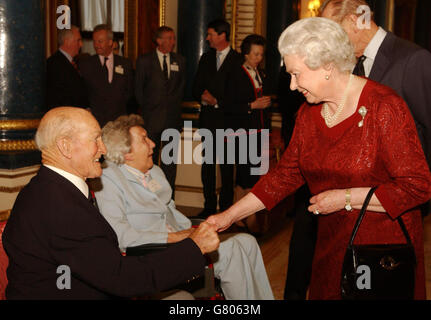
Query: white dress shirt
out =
(371, 50)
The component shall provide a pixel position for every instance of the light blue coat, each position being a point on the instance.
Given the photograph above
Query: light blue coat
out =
(137, 214)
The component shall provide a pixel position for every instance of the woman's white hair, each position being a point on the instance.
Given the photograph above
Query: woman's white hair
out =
(320, 41)
(116, 136)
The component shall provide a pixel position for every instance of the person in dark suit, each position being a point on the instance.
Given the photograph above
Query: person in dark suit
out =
(392, 61)
(108, 78)
(159, 90)
(64, 85)
(60, 246)
(209, 88)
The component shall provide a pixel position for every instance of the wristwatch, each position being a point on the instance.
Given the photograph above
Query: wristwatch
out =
(347, 206)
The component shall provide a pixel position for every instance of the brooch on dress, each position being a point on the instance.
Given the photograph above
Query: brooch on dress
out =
(363, 112)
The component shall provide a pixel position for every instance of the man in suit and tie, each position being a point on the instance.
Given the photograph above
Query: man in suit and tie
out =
(209, 86)
(108, 77)
(65, 87)
(60, 246)
(159, 90)
(390, 60)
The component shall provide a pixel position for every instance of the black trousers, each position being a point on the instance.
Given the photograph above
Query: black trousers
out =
(213, 119)
(301, 249)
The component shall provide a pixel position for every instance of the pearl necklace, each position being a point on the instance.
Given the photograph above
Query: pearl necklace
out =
(326, 114)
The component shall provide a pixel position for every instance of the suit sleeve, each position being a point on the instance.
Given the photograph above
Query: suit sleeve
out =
(57, 86)
(183, 78)
(130, 80)
(199, 81)
(140, 81)
(112, 206)
(417, 92)
(94, 259)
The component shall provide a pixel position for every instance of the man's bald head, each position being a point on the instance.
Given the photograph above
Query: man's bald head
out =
(57, 123)
(71, 139)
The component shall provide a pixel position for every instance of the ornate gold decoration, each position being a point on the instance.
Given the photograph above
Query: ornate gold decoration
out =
(18, 145)
(162, 12)
(188, 116)
(390, 9)
(190, 104)
(4, 215)
(19, 175)
(19, 124)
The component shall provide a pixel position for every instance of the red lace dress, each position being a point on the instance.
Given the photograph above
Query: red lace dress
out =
(385, 152)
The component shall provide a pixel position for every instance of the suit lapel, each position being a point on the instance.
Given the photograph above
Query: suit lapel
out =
(383, 60)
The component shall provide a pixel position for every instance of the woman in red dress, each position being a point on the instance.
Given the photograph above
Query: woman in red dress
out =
(351, 134)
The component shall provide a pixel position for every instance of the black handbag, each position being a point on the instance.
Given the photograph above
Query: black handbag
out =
(378, 271)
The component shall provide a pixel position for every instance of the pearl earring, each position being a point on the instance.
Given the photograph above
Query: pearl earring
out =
(327, 77)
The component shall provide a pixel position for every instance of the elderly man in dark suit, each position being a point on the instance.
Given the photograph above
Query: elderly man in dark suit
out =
(159, 90)
(209, 86)
(60, 246)
(108, 78)
(65, 87)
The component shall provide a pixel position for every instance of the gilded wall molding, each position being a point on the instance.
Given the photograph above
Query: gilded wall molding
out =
(162, 12)
(18, 145)
(4, 189)
(19, 124)
(19, 175)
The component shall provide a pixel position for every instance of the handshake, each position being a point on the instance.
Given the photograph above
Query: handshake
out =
(206, 237)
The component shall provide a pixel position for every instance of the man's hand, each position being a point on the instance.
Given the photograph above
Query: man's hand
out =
(209, 98)
(206, 237)
(179, 235)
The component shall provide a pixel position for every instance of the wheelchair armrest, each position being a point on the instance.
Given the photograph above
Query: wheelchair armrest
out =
(147, 248)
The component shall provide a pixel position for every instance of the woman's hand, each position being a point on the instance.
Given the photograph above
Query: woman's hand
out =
(261, 103)
(328, 201)
(331, 201)
(222, 221)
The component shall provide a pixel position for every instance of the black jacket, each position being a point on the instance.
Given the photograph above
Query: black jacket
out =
(52, 224)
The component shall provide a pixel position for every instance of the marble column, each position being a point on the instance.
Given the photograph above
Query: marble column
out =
(22, 81)
(193, 18)
(22, 95)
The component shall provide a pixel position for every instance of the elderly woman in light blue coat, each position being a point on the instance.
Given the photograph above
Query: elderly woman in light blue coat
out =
(136, 200)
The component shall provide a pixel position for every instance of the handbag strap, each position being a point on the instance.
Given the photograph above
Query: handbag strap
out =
(362, 214)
